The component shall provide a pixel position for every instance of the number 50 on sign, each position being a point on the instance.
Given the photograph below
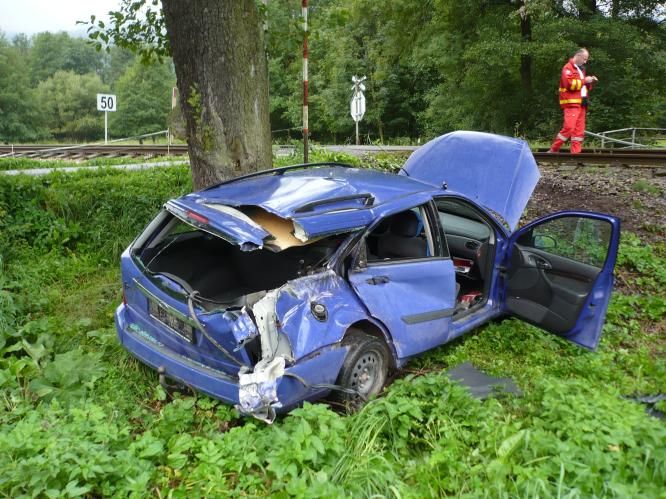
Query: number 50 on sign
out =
(106, 102)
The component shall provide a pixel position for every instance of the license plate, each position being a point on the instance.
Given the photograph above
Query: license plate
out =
(170, 320)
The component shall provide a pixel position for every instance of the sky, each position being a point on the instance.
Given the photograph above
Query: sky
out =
(33, 16)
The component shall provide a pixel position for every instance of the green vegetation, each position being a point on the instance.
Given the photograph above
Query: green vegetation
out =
(79, 416)
(643, 185)
(431, 68)
(30, 164)
(446, 65)
(144, 91)
(68, 110)
(48, 85)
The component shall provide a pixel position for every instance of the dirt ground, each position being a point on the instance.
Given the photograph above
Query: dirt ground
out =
(636, 195)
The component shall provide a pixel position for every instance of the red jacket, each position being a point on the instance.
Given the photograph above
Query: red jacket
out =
(571, 85)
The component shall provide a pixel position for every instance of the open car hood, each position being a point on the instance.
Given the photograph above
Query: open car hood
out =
(497, 172)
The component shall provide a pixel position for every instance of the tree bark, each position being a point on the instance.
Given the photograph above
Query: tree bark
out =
(219, 57)
(526, 67)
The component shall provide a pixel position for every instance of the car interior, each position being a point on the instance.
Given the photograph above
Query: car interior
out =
(223, 274)
(469, 241)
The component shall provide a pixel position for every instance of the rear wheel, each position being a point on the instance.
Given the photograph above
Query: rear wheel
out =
(365, 369)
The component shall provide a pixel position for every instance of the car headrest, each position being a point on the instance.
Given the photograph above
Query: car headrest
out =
(405, 224)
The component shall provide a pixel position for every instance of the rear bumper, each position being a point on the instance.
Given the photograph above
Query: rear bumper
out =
(321, 367)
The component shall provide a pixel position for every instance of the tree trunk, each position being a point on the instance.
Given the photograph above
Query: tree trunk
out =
(526, 68)
(218, 53)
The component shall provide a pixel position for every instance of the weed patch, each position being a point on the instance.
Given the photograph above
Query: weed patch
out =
(79, 416)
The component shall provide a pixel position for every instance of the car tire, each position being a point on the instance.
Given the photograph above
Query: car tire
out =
(364, 370)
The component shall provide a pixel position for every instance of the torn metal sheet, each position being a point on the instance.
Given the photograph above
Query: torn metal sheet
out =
(479, 384)
(257, 391)
(298, 302)
(228, 225)
(242, 326)
(265, 318)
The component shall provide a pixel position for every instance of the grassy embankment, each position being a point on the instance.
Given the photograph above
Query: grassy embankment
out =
(79, 416)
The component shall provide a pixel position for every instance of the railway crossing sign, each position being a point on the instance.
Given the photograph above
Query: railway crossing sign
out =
(357, 104)
(106, 103)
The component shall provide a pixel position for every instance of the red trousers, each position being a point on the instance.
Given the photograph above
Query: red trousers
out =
(573, 128)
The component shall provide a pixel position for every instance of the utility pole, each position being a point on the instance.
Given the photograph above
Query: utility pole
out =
(305, 80)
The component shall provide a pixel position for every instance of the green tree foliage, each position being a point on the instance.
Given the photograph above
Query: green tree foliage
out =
(115, 63)
(68, 104)
(432, 65)
(144, 99)
(438, 65)
(51, 52)
(19, 117)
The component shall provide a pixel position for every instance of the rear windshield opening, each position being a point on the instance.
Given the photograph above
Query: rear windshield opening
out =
(219, 270)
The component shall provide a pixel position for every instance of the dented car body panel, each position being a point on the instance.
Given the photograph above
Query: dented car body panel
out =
(277, 288)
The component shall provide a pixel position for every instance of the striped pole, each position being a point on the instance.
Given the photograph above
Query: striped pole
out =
(305, 80)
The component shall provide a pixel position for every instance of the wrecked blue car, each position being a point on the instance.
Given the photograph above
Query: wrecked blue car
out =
(297, 283)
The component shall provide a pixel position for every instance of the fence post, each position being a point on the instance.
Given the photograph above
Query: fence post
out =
(633, 138)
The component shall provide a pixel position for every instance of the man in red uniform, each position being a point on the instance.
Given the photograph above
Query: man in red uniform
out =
(574, 87)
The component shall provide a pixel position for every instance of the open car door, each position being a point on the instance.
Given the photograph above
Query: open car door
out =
(559, 274)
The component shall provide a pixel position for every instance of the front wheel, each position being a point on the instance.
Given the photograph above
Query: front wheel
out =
(365, 369)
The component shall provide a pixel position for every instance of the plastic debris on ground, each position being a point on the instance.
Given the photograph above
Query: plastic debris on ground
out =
(479, 384)
(650, 402)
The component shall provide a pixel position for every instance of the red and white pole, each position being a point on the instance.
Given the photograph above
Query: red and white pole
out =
(305, 80)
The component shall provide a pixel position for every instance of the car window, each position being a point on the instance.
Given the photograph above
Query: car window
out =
(582, 239)
(454, 224)
(403, 235)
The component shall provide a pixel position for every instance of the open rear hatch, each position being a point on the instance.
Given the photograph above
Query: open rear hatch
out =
(205, 280)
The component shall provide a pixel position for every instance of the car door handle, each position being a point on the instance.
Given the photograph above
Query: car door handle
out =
(380, 279)
(542, 264)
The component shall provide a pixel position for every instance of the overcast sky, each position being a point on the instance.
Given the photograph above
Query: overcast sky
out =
(33, 16)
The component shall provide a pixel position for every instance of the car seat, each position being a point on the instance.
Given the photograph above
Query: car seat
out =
(402, 240)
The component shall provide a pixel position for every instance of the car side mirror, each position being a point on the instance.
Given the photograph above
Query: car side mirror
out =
(544, 242)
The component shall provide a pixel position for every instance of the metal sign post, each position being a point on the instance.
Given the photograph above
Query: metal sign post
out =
(304, 6)
(357, 105)
(106, 103)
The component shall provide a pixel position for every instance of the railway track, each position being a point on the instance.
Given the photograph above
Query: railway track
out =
(613, 157)
(89, 152)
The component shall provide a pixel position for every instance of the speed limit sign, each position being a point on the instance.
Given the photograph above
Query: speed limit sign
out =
(106, 102)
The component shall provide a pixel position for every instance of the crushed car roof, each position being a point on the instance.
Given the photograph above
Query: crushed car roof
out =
(293, 193)
(317, 201)
(497, 172)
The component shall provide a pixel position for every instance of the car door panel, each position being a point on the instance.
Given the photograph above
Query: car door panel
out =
(415, 299)
(559, 293)
(555, 293)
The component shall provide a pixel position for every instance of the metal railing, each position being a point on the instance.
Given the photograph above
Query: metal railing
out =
(626, 141)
